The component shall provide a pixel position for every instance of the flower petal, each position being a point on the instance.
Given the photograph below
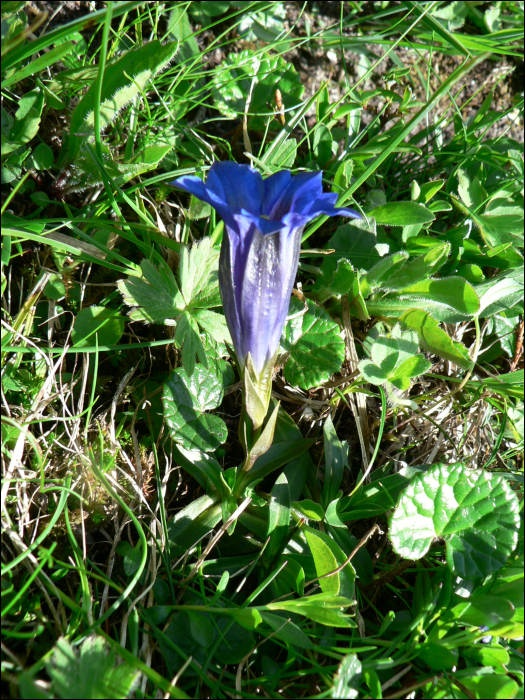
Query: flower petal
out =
(240, 186)
(274, 187)
(325, 205)
(196, 187)
(300, 192)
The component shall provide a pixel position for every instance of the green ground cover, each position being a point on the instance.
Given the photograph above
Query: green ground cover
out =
(370, 545)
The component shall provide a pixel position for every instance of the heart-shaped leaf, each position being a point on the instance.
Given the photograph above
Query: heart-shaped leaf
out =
(185, 401)
(475, 511)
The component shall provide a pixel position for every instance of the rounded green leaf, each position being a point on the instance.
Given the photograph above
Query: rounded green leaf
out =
(316, 350)
(55, 288)
(42, 157)
(233, 80)
(97, 321)
(475, 511)
(185, 399)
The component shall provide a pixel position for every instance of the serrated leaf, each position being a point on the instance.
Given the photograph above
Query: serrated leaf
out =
(155, 298)
(476, 512)
(402, 214)
(233, 79)
(188, 338)
(185, 401)
(214, 324)
(92, 674)
(97, 322)
(123, 81)
(328, 556)
(315, 347)
(198, 273)
(348, 678)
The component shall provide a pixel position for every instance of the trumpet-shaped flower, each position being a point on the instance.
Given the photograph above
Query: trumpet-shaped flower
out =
(264, 220)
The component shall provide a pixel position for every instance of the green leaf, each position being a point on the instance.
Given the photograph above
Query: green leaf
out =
(55, 288)
(348, 679)
(192, 523)
(204, 468)
(448, 299)
(155, 298)
(310, 509)
(132, 559)
(476, 513)
(412, 367)
(434, 339)
(381, 271)
(233, 79)
(123, 81)
(438, 657)
(402, 214)
(453, 292)
(334, 279)
(27, 117)
(328, 556)
(94, 673)
(287, 631)
(358, 243)
(185, 400)
(278, 516)
(179, 28)
(335, 462)
(500, 293)
(198, 274)
(377, 497)
(503, 686)
(283, 157)
(415, 270)
(187, 337)
(42, 157)
(323, 608)
(322, 145)
(97, 321)
(316, 350)
(213, 323)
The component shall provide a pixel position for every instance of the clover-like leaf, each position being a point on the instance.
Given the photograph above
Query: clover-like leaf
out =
(185, 401)
(315, 347)
(232, 83)
(475, 511)
(394, 358)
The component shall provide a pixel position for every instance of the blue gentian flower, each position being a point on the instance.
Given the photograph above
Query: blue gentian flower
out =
(264, 220)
